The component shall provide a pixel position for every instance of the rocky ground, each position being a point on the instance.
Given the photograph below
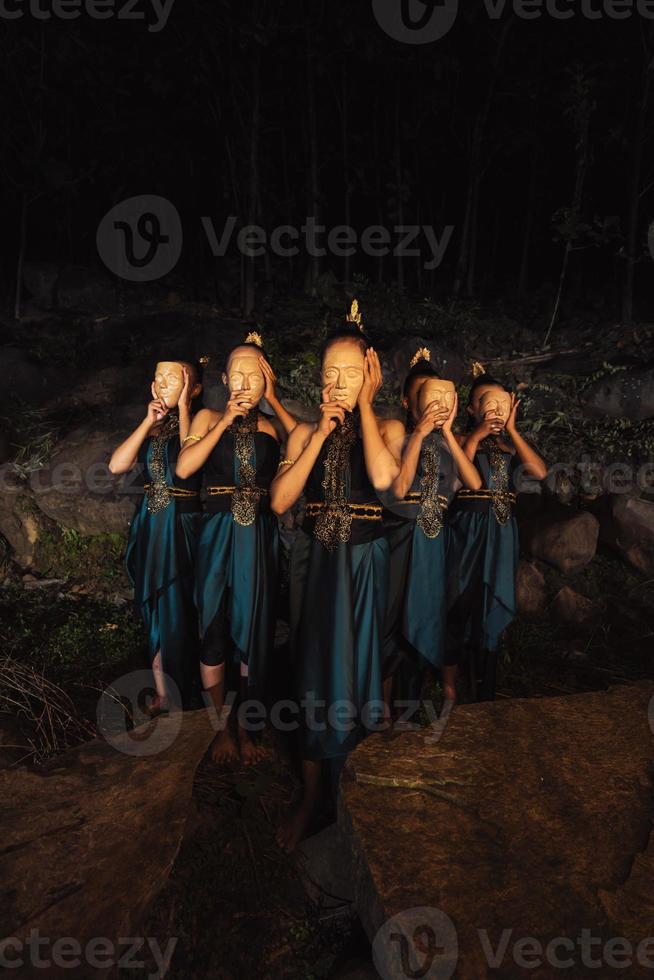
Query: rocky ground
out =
(77, 379)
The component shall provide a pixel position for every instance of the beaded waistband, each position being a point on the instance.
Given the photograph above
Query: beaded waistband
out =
(484, 494)
(173, 491)
(359, 512)
(219, 491)
(414, 498)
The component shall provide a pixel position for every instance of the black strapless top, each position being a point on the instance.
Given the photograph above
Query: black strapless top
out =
(172, 450)
(403, 510)
(358, 488)
(221, 469)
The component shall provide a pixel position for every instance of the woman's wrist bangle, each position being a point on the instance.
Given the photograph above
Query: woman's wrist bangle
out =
(193, 438)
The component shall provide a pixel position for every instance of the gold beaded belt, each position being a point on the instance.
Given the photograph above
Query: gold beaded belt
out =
(414, 498)
(173, 491)
(219, 491)
(359, 512)
(483, 494)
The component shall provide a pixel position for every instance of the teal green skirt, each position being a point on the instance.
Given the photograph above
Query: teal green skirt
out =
(337, 602)
(236, 589)
(159, 561)
(483, 561)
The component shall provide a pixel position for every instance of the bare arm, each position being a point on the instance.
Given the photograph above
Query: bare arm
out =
(184, 407)
(467, 471)
(270, 394)
(123, 459)
(381, 465)
(303, 448)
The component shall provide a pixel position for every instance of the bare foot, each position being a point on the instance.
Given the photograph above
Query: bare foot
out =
(294, 827)
(158, 705)
(224, 748)
(251, 751)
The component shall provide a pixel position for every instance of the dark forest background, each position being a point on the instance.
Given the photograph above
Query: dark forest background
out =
(531, 137)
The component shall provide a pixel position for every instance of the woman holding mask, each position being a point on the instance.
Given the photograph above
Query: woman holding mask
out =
(339, 562)
(432, 462)
(236, 568)
(484, 533)
(161, 537)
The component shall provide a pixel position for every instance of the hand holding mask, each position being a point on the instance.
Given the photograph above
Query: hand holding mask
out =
(495, 406)
(438, 395)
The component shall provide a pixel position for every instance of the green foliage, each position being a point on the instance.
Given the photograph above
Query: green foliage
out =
(552, 414)
(66, 634)
(97, 559)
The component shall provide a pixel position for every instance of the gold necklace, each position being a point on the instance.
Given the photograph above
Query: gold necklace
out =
(430, 518)
(498, 483)
(334, 523)
(245, 498)
(158, 492)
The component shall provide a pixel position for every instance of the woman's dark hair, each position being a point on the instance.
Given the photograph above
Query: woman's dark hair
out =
(421, 369)
(196, 364)
(484, 379)
(349, 331)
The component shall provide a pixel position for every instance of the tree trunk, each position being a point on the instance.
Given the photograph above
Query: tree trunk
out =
(399, 189)
(465, 266)
(22, 243)
(249, 300)
(314, 173)
(583, 121)
(346, 170)
(634, 203)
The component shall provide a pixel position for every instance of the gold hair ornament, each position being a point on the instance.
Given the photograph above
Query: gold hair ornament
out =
(477, 369)
(254, 338)
(422, 354)
(354, 316)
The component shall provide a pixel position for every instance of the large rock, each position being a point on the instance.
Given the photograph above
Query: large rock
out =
(85, 290)
(88, 844)
(531, 590)
(568, 545)
(76, 489)
(626, 394)
(22, 524)
(23, 379)
(573, 609)
(530, 816)
(41, 279)
(631, 531)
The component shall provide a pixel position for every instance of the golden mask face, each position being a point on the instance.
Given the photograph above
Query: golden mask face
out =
(343, 367)
(169, 381)
(495, 403)
(438, 391)
(244, 374)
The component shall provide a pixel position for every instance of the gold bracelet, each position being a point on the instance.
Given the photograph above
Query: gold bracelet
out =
(286, 462)
(192, 438)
